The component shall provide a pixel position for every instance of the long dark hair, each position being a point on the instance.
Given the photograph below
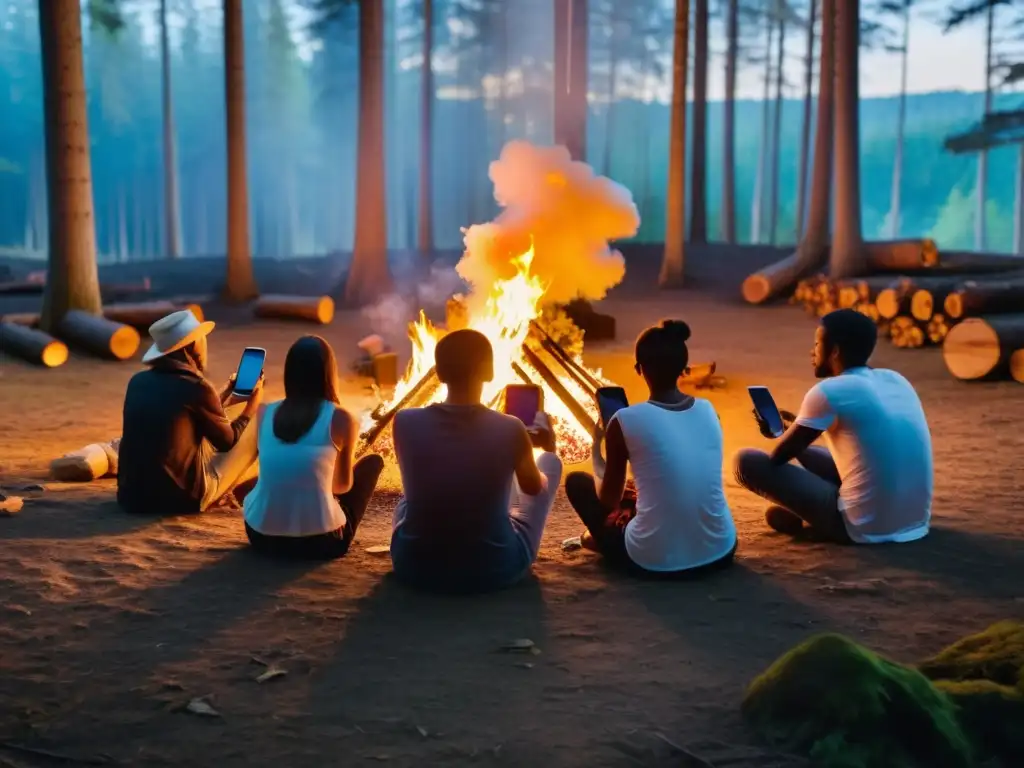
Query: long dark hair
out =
(310, 378)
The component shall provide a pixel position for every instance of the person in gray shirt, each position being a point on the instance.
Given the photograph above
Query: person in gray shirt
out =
(457, 529)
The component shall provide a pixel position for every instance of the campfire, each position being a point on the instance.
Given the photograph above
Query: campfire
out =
(523, 353)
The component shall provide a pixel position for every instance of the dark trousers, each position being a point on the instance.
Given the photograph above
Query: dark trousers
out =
(609, 530)
(808, 490)
(333, 544)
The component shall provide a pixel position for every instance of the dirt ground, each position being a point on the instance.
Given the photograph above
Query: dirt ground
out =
(109, 625)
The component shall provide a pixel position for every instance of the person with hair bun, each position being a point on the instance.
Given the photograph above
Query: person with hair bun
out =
(672, 519)
(873, 483)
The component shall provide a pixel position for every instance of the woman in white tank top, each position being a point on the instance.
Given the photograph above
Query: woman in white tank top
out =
(675, 521)
(310, 497)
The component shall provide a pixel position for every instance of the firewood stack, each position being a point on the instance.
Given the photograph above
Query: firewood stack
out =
(976, 316)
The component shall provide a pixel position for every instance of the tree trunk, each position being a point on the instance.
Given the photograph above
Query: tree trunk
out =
(172, 207)
(673, 262)
(757, 207)
(805, 129)
(72, 278)
(613, 86)
(698, 178)
(847, 252)
(901, 120)
(780, 63)
(571, 76)
(1018, 205)
(239, 283)
(728, 222)
(368, 276)
(425, 231)
(981, 186)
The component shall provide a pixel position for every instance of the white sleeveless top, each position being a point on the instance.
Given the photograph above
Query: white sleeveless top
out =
(682, 518)
(293, 496)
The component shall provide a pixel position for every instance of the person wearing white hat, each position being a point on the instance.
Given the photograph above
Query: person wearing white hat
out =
(180, 452)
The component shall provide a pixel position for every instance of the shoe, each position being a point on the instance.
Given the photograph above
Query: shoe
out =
(782, 520)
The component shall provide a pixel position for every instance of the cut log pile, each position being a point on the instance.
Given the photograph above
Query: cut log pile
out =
(977, 317)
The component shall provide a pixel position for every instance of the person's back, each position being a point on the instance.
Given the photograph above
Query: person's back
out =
(457, 464)
(881, 445)
(160, 470)
(293, 496)
(682, 518)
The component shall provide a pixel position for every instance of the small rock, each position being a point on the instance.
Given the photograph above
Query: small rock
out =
(11, 505)
(572, 544)
(378, 549)
(270, 673)
(201, 707)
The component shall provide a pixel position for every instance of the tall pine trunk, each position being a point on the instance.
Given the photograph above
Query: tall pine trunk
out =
(369, 276)
(571, 75)
(698, 177)
(757, 206)
(816, 234)
(674, 259)
(239, 282)
(172, 203)
(847, 254)
(732, 34)
(780, 64)
(805, 128)
(981, 186)
(72, 276)
(901, 119)
(425, 216)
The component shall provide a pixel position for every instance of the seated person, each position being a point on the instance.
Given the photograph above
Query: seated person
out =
(180, 452)
(309, 498)
(678, 521)
(456, 529)
(876, 483)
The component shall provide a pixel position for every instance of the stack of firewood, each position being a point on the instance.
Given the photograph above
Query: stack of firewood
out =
(978, 319)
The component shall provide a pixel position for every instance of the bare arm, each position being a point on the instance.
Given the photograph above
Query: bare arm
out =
(343, 433)
(531, 481)
(795, 441)
(613, 483)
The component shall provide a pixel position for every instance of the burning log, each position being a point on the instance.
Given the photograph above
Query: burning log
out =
(32, 345)
(312, 309)
(975, 297)
(578, 411)
(981, 347)
(98, 335)
(456, 314)
(582, 376)
(417, 393)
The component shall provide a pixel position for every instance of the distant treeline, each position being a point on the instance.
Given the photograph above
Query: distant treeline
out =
(302, 131)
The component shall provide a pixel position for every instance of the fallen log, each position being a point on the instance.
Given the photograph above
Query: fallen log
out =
(900, 255)
(113, 292)
(926, 301)
(974, 297)
(32, 345)
(28, 319)
(20, 287)
(143, 314)
(99, 335)
(779, 277)
(313, 309)
(894, 300)
(980, 347)
(965, 262)
(1017, 366)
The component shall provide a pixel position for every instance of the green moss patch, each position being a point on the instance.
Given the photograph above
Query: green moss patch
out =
(846, 707)
(996, 655)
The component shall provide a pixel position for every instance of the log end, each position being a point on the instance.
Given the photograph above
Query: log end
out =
(1017, 366)
(929, 253)
(971, 350)
(54, 354)
(888, 303)
(756, 288)
(325, 310)
(922, 305)
(954, 305)
(124, 342)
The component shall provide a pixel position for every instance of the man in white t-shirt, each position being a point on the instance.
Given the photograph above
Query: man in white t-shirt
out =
(876, 483)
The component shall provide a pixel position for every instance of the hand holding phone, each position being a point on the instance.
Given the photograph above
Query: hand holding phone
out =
(524, 401)
(610, 400)
(766, 412)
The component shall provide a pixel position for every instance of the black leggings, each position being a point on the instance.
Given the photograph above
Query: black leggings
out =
(609, 531)
(333, 544)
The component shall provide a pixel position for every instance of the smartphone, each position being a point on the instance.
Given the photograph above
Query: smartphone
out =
(524, 401)
(766, 408)
(250, 368)
(610, 400)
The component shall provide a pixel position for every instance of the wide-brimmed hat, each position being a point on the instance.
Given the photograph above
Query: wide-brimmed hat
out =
(174, 332)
